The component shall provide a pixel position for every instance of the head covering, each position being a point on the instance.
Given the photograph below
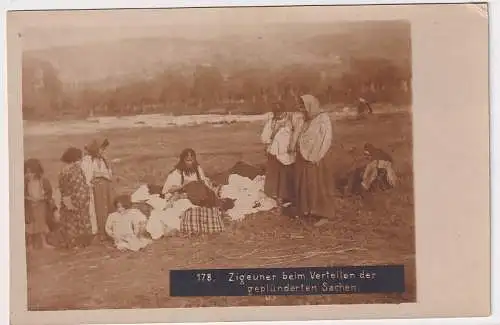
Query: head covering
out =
(316, 137)
(93, 147)
(311, 105)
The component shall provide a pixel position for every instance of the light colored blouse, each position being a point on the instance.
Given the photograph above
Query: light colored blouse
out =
(175, 179)
(95, 167)
(297, 119)
(277, 135)
(35, 190)
(316, 138)
(120, 225)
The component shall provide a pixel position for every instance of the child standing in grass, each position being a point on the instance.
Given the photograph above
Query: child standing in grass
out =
(38, 201)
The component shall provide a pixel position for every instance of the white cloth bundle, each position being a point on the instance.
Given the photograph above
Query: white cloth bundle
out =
(248, 195)
(162, 221)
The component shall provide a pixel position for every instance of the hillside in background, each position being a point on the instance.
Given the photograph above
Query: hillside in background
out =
(239, 70)
(274, 45)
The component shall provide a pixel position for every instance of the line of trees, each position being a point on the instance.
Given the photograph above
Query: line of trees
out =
(209, 89)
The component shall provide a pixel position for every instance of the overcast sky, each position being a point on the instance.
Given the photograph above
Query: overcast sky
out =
(46, 29)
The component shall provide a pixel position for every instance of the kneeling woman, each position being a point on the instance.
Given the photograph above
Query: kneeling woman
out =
(187, 172)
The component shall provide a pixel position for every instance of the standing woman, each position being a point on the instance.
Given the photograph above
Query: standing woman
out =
(74, 211)
(312, 182)
(98, 174)
(276, 135)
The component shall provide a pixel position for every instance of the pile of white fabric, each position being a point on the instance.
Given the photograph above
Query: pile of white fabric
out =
(248, 194)
(165, 216)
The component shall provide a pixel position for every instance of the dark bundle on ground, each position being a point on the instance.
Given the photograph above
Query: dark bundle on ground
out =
(246, 170)
(155, 189)
(199, 194)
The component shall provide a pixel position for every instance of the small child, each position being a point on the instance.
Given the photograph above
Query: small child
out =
(127, 226)
(38, 202)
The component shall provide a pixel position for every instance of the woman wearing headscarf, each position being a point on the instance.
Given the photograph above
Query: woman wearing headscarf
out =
(98, 174)
(75, 199)
(312, 182)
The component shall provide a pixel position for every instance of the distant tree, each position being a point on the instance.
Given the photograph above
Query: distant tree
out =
(208, 83)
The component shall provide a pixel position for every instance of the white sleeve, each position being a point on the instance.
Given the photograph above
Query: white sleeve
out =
(87, 167)
(109, 224)
(204, 177)
(318, 149)
(267, 132)
(297, 125)
(137, 217)
(173, 179)
(202, 173)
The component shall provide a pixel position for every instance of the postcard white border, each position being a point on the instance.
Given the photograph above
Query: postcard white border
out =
(495, 84)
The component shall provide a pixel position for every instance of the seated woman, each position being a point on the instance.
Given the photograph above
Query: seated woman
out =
(377, 173)
(186, 171)
(186, 187)
(127, 226)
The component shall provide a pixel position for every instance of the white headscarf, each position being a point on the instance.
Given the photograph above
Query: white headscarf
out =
(316, 136)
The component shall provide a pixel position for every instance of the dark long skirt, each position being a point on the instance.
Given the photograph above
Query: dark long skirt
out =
(103, 202)
(279, 182)
(314, 190)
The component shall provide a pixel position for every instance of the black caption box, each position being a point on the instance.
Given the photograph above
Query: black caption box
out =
(287, 281)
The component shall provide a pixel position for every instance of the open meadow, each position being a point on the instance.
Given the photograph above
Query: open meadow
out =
(378, 231)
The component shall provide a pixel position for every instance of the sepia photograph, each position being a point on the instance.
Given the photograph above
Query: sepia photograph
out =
(196, 146)
(205, 139)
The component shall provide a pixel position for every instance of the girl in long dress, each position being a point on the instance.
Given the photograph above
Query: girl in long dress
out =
(38, 201)
(276, 135)
(313, 186)
(75, 199)
(98, 174)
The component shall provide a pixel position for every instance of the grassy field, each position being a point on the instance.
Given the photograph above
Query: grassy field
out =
(380, 231)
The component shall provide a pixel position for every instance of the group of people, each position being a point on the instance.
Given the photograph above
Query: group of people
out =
(298, 173)
(86, 198)
(297, 141)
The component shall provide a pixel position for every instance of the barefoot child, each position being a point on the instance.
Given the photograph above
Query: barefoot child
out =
(127, 226)
(38, 201)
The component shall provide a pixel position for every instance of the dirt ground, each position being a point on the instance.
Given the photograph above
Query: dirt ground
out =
(380, 231)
